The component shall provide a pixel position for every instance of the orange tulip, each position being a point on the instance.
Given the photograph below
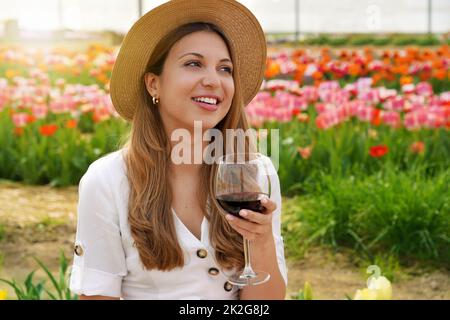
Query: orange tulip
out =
(31, 118)
(406, 80)
(317, 75)
(305, 153)
(48, 130)
(417, 147)
(18, 131)
(71, 124)
(439, 74)
(354, 69)
(272, 70)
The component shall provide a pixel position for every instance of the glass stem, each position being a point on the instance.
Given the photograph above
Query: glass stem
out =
(248, 271)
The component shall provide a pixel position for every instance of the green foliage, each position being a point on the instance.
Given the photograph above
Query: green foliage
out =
(428, 41)
(58, 160)
(381, 41)
(401, 213)
(32, 290)
(305, 294)
(404, 41)
(361, 40)
(338, 41)
(371, 39)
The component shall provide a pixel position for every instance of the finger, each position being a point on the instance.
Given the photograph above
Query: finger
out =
(268, 204)
(243, 232)
(245, 225)
(256, 217)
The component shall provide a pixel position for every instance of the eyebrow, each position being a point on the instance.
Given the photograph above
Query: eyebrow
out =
(200, 56)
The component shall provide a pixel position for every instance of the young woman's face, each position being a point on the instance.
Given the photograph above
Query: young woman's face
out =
(187, 75)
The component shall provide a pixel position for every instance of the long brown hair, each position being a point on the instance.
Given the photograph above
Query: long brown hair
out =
(147, 160)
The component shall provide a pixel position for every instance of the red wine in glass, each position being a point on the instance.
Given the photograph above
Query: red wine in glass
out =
(235, 202)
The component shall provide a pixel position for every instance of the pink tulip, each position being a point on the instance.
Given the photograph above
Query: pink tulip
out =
(39, 111)
(20, 119)
(391, 118)
(310, 93)
(396, 103)
(365, 113)
(424, 89)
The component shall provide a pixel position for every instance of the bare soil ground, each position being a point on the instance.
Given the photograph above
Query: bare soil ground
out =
(41, 221)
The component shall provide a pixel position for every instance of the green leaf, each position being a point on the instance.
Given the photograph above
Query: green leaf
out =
(52, 278)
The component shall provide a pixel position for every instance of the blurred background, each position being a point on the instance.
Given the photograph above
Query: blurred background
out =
(360, 91)
(289, 19)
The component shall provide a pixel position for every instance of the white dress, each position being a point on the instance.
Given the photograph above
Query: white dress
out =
(106, 263)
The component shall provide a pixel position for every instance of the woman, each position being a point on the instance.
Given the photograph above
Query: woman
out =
(147, 228)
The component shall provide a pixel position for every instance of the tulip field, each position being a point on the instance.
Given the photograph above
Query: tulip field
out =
(364, 151)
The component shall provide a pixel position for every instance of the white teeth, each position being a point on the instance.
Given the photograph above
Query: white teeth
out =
(206, 100)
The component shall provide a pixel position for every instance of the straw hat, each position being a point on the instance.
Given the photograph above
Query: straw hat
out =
(239, 25)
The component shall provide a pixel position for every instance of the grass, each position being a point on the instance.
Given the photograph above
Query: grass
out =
(398, 214)
(2, 232)
(32, 289)
(50, 222)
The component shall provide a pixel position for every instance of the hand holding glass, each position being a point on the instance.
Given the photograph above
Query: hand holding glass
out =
(241, 183)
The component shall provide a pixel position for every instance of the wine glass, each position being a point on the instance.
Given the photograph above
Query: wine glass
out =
(241, 182)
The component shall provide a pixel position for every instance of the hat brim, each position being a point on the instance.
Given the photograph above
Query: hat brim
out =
(239, 25)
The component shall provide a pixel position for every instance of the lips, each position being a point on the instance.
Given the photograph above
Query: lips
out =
(207, 106)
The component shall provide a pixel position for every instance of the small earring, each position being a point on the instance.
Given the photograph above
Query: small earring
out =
(155, 100)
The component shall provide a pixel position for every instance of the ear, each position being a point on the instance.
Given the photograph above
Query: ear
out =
(152, 84)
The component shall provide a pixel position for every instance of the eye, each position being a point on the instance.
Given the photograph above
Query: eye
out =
(230, 71)
(189, 63)
(196, 63)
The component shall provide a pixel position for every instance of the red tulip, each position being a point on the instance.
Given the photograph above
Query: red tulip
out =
(378, 151)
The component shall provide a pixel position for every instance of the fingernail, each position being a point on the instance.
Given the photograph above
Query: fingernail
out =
(243, 213)
(229, 217)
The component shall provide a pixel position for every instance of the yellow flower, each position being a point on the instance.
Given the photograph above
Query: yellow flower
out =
(366, 294)
(378, 289)
(3, 294)
(10, 73)
(382, 286)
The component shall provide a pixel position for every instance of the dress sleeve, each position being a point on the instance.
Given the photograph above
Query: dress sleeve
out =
(99, 259)
(275, 196)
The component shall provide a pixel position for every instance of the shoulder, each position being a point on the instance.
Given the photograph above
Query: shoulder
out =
(100, 189)
(112, 162)
(106, 169)
(271, 165)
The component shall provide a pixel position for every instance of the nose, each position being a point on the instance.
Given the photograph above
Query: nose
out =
(211, 79)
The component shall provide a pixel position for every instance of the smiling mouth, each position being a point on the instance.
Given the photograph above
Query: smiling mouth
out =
(207, 106)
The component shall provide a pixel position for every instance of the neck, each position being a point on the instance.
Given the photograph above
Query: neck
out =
(190, 166)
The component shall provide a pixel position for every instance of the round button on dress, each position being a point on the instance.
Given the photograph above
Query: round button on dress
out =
(202, 253)
(78, 249)
(213, 271)
(228, 286)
